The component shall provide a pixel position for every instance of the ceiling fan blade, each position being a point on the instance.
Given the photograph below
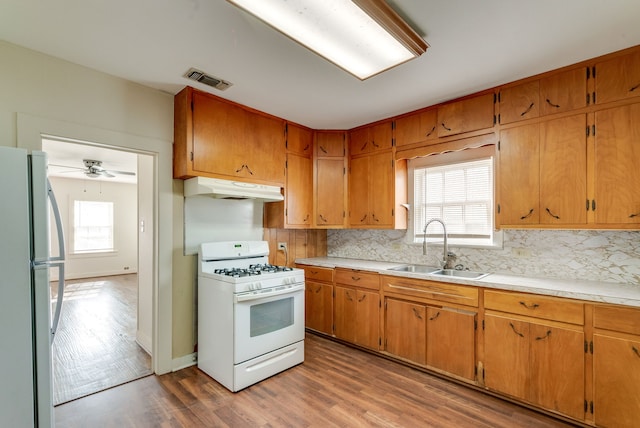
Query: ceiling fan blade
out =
(120, 172)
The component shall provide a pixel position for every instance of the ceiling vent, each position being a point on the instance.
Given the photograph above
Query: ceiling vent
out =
(202, 77)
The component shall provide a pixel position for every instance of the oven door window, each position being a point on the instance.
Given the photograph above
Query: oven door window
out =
(271, 316)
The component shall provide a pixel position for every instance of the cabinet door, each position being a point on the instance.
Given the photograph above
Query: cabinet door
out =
(519, 102)
(319, 306)
(617, 176)
(563, 171)
(330, 193)
(359, 192)
(382, 136)
(557, 369)
(618, 78)
(519, 175)
(405, 330)
(344, 315)
(466, 115)
(563, 91)
(616, 373)
(381, 181)
(299, 198)
(417, 128)
(506, 355)
(359, 141)
(330, 144)
(264, 150)
(299, 140)
(368, 319)
(451, 341)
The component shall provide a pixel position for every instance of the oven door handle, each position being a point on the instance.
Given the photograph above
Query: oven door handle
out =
(258, 296)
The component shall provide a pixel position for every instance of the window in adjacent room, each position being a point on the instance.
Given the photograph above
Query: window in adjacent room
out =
(92, 226)
(456, 187)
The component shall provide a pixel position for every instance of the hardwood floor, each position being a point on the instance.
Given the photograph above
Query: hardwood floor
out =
(95, 348)
(336, 386)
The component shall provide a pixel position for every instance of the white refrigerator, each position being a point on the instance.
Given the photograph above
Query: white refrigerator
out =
(27, 326)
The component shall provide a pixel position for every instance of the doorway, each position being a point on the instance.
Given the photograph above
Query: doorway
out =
(104, 337)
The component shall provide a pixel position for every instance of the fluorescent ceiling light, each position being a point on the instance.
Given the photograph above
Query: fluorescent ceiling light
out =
(364, 37)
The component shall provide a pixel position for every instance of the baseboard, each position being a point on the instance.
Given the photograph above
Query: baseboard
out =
(86, 275)
(184, 362)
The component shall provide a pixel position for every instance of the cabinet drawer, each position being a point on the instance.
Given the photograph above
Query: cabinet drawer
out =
(314, 273)
(550, 308)
(441, 291)
(358, 278)
(625, 320)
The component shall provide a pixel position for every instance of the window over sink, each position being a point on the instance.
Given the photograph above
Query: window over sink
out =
(458, 188)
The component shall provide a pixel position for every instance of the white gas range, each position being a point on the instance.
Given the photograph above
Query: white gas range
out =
(250, 313)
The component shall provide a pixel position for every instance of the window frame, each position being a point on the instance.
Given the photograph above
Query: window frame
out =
(449, 158)
(74, 251)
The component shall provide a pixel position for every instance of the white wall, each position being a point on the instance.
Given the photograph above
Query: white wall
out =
(124, 258)
(42, 94)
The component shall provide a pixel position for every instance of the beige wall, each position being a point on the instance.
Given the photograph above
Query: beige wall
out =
(57, 91)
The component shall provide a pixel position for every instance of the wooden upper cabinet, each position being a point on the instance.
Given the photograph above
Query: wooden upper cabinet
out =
(417, 128)
(371, 138)
(519, 102)
(519, 162)
(330, 144)
(330, 193)
(563, 91)
(618, 78)
(298, 195)
(221, 139)
(466, 115)
(563, 170)
(299, 140)
(617, 176)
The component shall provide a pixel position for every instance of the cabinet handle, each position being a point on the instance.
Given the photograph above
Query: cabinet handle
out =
(349, 296)
(249, 169)
(534, 306)
(528, 215)
(545, 336)
(428, 134)
(433, 318)
(319, 288)
(513, 327)
(552, 104)
(374, 144)
(445, 126)
(305, 148)
(635, 351)
(322, 218)
(373, 216)
(323, 149)
(364, 296)
(634, 215)
(241, 168)
(417, 313)
(355, 278)
(306, 219)
(364, 146)
(552, 214)
(634, 88)
(363, 218)
(314, 272)
(527, 110)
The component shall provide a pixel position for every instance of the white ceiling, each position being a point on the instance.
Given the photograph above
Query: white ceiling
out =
(474, 45)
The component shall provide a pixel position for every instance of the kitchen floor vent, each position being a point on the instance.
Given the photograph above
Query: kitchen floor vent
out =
(202, 77)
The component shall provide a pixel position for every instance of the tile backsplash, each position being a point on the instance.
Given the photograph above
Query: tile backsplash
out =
(608, 256)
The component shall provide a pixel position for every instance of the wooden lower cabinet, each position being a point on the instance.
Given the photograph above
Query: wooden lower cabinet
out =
(318, 306)
(451, 341)
(539, 363)
(406, 330)
(356, 316)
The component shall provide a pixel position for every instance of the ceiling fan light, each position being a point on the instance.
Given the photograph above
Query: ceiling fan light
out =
(363, 37)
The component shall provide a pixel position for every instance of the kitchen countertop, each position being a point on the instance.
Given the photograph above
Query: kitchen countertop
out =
(593, 291)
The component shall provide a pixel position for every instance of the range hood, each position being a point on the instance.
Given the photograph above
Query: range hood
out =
(227, 189)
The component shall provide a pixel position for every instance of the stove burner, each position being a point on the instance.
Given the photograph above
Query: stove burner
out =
(257, 269)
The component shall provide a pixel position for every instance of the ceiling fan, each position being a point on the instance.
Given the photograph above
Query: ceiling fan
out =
(93, 169)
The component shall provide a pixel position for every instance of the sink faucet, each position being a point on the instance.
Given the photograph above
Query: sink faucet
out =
(445, 257)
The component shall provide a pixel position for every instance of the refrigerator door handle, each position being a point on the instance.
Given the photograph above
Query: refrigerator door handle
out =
(56, 315)
(56, 215)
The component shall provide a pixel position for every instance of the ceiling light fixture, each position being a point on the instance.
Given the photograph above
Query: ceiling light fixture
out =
(363, 37)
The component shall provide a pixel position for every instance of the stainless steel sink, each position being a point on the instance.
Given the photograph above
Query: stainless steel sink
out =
(414, 268)
(460, 273)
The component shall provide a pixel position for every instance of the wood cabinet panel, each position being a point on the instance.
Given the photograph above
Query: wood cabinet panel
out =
(563, 171)
(519, 163)
(564, 91)
(616, 368)
(368, 319)
(371, 138)
(319, 306)
(617, 176)
(616, 318)
(381, 189)
(406, 329)
(417, 128)
(451, 341)
(440, 291)
(618, 78)
(298, 198)
(467, 115)
(330, 144)
(533, 305)
(299, 140)
(519, 102)
(314, 273)
(330, 193)
(359, 191)
(358, 278)
(344, 315)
